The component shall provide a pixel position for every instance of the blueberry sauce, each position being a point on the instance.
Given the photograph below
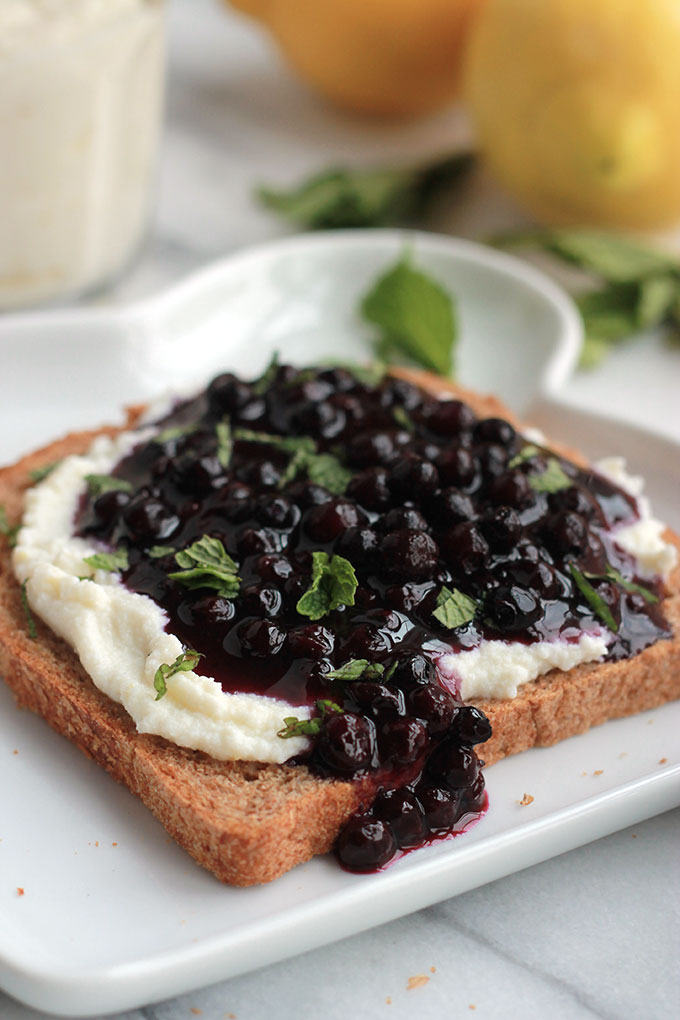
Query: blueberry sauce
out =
(422, 499)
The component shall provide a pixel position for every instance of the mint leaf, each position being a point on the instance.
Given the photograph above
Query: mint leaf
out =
(454, 609)
(415, 315)
(552, 479)
(98, 484)
(295, 727)
(611, 312)
(355, 669)
(289, 444)
(30, 622)
(526, 453)
(156, 552)
(325, 469)
(656, 298)
(207, 564)
(334, 583)
(41, 473)
(184, 663)
(403, 419)
(594, 599)
(10, 531)
(341, 197)
(262, 384)
(113, 562)
(593, 352)
(615, 258)
(225, 443)
(173, 432)
(613, 574)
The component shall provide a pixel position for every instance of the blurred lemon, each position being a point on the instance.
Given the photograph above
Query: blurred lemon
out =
(391, 57)
(577, 107)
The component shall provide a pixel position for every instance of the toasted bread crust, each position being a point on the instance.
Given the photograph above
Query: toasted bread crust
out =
(249, 822)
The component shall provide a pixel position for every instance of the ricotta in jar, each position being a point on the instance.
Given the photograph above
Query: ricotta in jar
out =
(81, 84)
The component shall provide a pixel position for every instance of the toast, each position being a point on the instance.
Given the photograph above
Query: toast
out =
(249, 822)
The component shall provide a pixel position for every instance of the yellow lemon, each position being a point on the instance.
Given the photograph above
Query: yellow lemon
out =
(389, 57)
(576, 104)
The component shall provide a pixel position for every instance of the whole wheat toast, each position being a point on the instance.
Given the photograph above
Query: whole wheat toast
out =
(250, 822)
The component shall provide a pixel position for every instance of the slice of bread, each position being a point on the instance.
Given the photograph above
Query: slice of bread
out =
(249, 822)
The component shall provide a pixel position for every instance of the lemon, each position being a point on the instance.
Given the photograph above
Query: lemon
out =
(576, 105)
(389, 57)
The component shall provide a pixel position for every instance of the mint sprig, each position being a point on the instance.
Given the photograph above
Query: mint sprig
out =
(262, 384)
(334, 583)
(41, 473)
(415, 316)
(638, 286)
(612, 574)
(184, 663)
(112, 562)
(374, 197)
(207, 564)
(454, 608)
(295, 727)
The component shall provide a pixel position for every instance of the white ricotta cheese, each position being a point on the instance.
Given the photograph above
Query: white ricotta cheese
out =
(495, 669)
(119, 635)
(643, 540)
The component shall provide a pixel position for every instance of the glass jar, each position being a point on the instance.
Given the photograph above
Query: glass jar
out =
(81, 88)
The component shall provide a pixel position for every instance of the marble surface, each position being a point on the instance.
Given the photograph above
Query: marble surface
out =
(592, 933)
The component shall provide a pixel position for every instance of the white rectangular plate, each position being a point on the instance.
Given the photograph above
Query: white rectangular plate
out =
(113, 914)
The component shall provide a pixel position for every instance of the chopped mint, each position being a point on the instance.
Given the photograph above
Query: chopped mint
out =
(98, 484)
(30, 622)
(325, 469)
(262, 384)
(415, 316)
(369, 375)
(334, 583)
(612, 574)
(184, 663)
(113, 562)
(225, 443)
(551, 479)
(295, 727)
(593, 598)
(289, 444)
(174, 432)
(156, 552)
(10, 531)
(403, 419)
(207, 564)
(454, 608)
(356, 669)
(526, 453)
(41, 473)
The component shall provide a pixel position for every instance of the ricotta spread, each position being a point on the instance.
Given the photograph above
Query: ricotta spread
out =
(121, 639)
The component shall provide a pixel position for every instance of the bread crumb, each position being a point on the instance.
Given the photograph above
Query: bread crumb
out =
(433, 970)
(196, 1012)
(417, 981)
(662, 761)
(526, 799)
(388, 1001)
(472, 1006)
(114, 844)
(20, 890)
(96, 842)
(623, 754)
(15, 751)
(598, 772)
(584, 773)
(633, 835)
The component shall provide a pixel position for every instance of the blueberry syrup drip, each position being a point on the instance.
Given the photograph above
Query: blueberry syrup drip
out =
(435, 498)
